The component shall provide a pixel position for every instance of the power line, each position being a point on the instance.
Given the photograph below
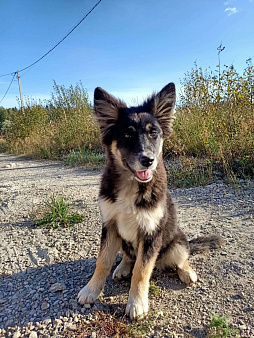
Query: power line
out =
(7, 74)
(43, 56)
(8, 87)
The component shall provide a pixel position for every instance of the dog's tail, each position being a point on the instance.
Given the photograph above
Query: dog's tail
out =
(201, 244)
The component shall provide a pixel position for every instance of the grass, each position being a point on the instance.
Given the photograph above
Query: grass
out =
(86, 157)
(187, 172)
(58, 213)
(3, 145)
(220, 328)
(154, 289)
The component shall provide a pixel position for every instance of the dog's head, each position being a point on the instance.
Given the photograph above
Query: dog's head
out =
(135, 135)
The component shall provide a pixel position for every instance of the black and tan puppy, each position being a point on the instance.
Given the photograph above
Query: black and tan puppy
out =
(138, 214)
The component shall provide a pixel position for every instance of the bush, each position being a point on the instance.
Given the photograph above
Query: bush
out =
(215, 118)
(62, 124)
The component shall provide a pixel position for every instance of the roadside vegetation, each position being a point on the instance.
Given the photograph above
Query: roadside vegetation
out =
(58, 213)
(221, 328)
(213, 129)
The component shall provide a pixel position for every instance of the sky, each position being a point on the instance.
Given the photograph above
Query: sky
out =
(130, 48)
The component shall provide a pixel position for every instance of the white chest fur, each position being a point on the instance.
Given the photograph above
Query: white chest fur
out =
(130, 219)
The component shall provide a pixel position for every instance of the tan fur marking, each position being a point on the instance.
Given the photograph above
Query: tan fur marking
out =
(117, 154)
(104, 263)
(138, 297)
(148, 127)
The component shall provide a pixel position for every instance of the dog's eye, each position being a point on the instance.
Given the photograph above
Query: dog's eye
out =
(153, 133)
(130, 132)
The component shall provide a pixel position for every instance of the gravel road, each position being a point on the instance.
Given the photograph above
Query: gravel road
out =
(42, 270)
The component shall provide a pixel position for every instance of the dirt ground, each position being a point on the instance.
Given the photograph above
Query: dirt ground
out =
(33, 260)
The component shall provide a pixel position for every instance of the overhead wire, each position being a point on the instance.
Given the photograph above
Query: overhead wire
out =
(43, 56)
(9, 86)
(7, 74)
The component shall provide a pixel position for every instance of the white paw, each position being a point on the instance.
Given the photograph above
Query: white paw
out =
(87, 295)
(137, 308)
(121, 271)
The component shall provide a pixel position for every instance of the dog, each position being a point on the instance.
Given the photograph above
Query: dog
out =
(138, 214)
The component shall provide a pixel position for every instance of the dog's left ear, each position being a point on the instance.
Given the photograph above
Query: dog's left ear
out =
(162, 105)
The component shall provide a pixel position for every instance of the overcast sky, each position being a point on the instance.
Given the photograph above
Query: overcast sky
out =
(128, 47)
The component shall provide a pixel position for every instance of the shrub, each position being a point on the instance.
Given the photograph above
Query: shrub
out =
(215, 118)
(62, 124)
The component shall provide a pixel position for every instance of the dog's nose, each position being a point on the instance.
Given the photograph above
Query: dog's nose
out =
(146, 161)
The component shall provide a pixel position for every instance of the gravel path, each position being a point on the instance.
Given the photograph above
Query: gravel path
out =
(42, 270)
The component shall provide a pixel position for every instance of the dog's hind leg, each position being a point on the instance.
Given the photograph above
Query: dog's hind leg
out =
(110, 245)
(125, 266)
(177, 256)
(186, 273)
(123, 269)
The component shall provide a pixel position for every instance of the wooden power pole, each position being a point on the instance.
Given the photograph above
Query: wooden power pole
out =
(20, 91)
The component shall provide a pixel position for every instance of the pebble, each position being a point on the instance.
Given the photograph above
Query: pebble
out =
(44, 306)
(16, 334)
(242, 327)
(57, 287)
(33, 334)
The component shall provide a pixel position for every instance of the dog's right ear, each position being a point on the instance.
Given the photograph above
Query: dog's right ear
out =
(106, 109)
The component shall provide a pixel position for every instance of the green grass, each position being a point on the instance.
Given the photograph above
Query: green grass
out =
(188, 172)
(86, 157)
(220, 328)
(154, 289)
(58, 213)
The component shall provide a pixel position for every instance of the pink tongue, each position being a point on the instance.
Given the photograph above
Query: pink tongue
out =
(144, 174)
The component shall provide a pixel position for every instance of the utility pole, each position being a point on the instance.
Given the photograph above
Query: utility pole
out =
(20, 91)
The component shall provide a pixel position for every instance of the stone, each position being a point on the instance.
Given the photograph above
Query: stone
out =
(16, 334)
(57, 287)
(44, 306)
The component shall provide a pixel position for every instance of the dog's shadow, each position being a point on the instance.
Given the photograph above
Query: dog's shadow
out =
(26, 296)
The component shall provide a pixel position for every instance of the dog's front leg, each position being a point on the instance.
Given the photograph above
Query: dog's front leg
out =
(137, 306)
(110, 245)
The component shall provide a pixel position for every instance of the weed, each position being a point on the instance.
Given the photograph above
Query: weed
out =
(107, 325)
(215, 119)
(104, 325)
(53, 129)
(188, 172)
(141, 328)
(3, 145)
(154, 289)
(220, 328)
(58, 213)
(87, 157)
